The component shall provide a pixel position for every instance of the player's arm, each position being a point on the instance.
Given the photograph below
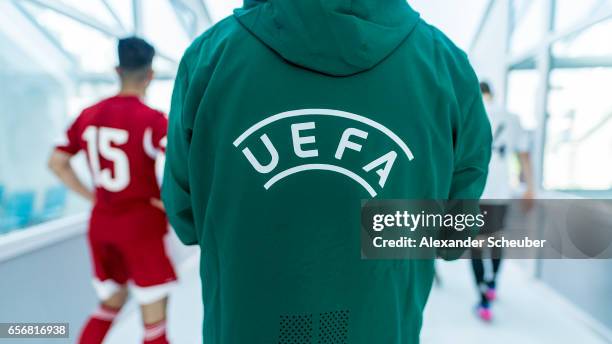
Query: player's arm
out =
(524, 157)
(59, 164)
(527, 171)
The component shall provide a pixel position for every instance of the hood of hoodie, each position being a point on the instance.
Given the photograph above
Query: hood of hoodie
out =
(334, 37)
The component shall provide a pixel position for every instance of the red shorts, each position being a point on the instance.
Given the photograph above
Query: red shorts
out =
(121, 256)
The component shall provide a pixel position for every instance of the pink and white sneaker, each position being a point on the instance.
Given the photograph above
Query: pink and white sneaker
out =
(491, 294)
(484, 313)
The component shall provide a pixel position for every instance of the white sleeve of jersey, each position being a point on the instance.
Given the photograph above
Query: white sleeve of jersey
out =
(160, 162)
(156, 154)
(520, 137)
(148, 145)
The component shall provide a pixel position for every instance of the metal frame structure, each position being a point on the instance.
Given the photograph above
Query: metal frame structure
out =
(195, 10)
(540, 58)
(46, 33)
(482, 23)
(193, 16)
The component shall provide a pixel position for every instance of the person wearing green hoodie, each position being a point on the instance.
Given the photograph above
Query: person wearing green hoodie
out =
(284, 117)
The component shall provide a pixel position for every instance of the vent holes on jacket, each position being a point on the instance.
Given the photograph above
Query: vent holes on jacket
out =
(295, 329)
(333, 327)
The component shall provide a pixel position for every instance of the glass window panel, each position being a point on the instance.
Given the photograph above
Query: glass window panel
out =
(160, 94)
(570, 12)
(587, 43)
(529, 27)
(15, 61)
(37, 117)
(163, 67)
(579, 130)
(169, 38)
(93, 50)
(92, 8)
(443, 14)
(123, 10)
(43, 100)
(521, 99)
(221, 9)
(521, 96)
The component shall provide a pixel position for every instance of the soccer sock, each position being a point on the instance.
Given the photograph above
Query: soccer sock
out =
(495, 264)
(482, 289)
(98, 325)
(155, 333)
(479, 275)
(478, 266)
(491, 284)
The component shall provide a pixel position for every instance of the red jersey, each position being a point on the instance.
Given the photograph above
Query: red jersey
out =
(122, 137)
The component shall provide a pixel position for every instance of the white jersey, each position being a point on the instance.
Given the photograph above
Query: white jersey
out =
(509, 138)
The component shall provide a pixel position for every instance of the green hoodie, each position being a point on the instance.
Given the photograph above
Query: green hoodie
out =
(284, 117)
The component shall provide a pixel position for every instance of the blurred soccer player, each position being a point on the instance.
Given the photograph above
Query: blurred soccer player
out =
(122, 137)
(285, 117)
(509, 139)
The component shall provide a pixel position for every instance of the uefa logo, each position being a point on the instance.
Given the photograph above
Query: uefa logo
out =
(302, 127)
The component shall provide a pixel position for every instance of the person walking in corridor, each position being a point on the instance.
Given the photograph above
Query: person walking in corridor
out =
(284, 117)
(122, 138)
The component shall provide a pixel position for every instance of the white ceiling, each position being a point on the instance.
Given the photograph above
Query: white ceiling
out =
(459, 19)
(220, 9)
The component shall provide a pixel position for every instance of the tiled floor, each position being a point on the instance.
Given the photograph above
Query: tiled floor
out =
(527, 312)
